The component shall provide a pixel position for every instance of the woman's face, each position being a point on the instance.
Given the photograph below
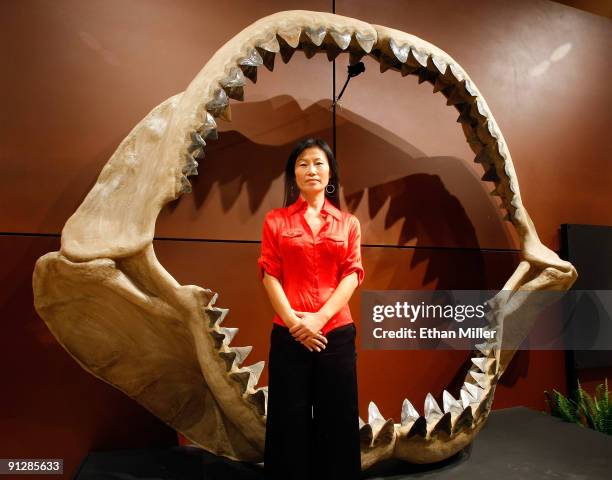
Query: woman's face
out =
(312, 170)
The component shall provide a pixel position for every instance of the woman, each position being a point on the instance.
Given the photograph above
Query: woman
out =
(310, 264)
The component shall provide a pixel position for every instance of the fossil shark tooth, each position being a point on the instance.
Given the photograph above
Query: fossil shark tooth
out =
(335, 43)
(450, 76)
(213, 296)
(492, 365)
(493, 130)
(249, 64)
(485, 404)
(269, 45)
(253, 59)
(479, 112)
(419, 428)
(216, 315)
(290, 36)
(236, 356)
(365, 41)
(229, 358)
(248, 376)
(342, 39)
(185, 185)
(463, 421)
(374, 416)
(466, 398)
(208, 130)
(481, 378)
(229, 333)
(481, 363)
(464, 93)
(235, 78)
(450, 404)
(197, 139)
(417, 58)
(471, 88)
(437, 65)
(286, 50)
(311, 39)
(195, 154)
(259, 398)
(475, 391)
(255, 371)
(316, 35)
(432, 409)
(385, 434)
(268, 59)
(211, 134)
(484, 348)
(219, 105)
(190, 167)
(443, 426)
(454, 73)
(409, 413)
(224, 336)
(233, 84)
(241, 353)
(268, 50)
(400, 51)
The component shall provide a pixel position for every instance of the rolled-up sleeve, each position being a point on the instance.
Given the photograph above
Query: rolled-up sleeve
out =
(352, 262)
(270, 259)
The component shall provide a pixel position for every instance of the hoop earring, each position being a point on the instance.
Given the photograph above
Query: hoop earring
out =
(333, 189)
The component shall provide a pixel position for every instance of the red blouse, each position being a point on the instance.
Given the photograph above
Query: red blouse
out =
(310, 268)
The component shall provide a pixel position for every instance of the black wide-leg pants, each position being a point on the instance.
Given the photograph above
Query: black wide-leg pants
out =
(312, 428)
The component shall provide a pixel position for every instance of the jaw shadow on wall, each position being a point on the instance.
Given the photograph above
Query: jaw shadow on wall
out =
(440, 203)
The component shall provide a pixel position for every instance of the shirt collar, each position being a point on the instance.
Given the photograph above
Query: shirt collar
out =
(328, 207)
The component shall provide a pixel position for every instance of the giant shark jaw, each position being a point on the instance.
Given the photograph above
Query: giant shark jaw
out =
(126, 320)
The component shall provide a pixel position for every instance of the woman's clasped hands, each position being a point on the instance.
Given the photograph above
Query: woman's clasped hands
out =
(307, 330)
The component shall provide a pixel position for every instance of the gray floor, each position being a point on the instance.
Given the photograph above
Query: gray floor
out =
(519, 443)
(516, 443)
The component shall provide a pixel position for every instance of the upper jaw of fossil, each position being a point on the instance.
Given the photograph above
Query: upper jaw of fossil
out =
(125, 319)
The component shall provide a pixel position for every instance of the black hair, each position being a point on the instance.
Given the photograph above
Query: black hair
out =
(291, 189)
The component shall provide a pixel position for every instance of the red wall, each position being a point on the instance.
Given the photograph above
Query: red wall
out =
(84, 73)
